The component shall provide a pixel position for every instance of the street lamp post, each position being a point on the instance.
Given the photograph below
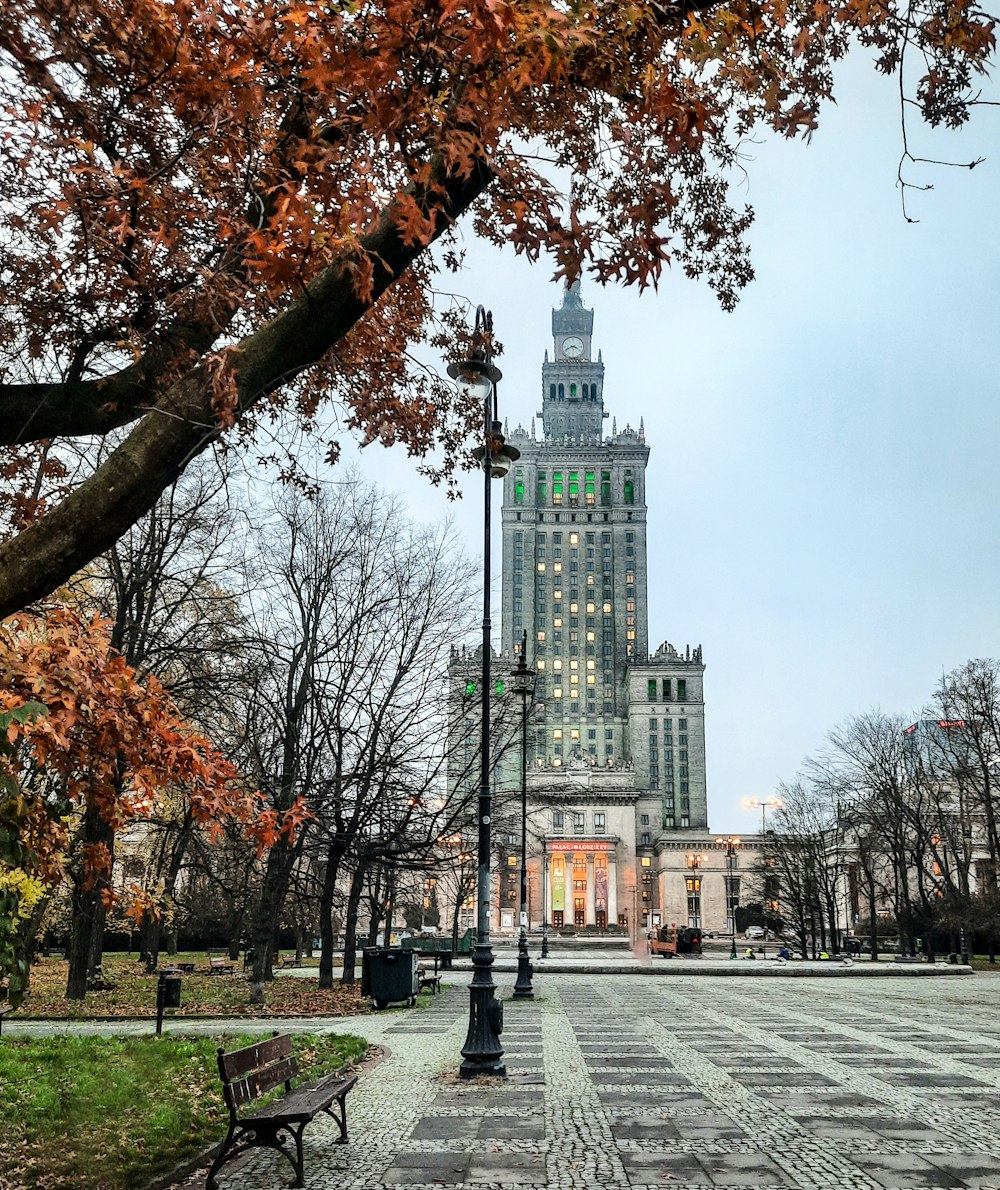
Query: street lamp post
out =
(523, 684)
(477, 378)
(766, 803)
(694, 863)
(731, 842)
(545, 899)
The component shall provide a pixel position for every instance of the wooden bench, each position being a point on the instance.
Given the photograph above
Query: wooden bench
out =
(220, 966)
(289, 960)
(5, 1007)
(428, 979)
(249, 1073)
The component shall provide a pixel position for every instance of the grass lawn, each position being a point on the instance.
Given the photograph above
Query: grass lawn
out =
(132, 993)
(89, 1113)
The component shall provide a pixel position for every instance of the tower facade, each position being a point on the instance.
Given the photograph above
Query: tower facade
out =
(616, 774)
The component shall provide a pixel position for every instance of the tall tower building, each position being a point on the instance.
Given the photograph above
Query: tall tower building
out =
(574, 552)
(616, 734)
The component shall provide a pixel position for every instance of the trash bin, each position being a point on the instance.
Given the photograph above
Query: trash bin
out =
(389, 974)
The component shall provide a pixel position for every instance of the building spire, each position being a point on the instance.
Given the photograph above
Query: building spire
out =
(572, 298)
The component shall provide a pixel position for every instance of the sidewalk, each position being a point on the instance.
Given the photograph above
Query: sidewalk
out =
(642, 1083)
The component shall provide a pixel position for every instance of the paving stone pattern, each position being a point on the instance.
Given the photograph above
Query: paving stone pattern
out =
(679, 1082)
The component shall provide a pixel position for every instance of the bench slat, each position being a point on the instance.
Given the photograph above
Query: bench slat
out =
(251, 1057)
(258, 1082)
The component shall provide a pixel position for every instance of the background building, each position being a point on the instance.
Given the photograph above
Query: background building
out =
(617, 779)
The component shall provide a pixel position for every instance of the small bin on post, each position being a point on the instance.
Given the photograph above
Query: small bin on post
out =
(389, 974)
(168, 995)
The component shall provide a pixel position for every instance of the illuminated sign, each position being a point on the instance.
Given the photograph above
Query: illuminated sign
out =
(576, 845)
(951, 723)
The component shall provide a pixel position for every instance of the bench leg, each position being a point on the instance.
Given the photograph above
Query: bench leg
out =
(341, 1118)
(220, 1159)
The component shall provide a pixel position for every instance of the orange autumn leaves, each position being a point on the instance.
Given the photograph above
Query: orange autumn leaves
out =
(105, 742)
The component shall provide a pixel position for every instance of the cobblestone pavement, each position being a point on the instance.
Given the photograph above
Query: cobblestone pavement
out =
(666, 1081)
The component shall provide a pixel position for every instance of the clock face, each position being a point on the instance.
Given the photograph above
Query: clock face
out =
(572, 347)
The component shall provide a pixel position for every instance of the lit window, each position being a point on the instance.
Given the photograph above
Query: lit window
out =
(607, 608)
(541, 567)
(574, 733)
(557, 663)
(630, 635)
(574, 679)
(591, 636)
(557, 692)
(591, 679)
(574, 538)
(557, 567)
(574, 664)
(574, 608)
(511, 861)
(646, 861)
(541, 635)
(557, 621)
(591, 663)
(540, 663)
(557, 593)
(557, 733)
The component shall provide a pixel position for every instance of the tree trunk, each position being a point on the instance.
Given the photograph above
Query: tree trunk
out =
(280, 861)
(351, 925)
(87, 910)
(327, 940)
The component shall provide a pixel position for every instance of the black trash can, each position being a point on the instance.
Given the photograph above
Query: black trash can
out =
(389, 974)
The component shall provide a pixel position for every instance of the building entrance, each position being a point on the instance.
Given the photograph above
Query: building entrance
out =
(579, 911)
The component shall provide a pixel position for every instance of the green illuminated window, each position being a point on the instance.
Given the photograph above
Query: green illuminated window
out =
(470, 687)
(574, 485)
(499, 686)
(651, 689)
(682, 689)
(542, 487)
(588, 486)
(557, 487)
(629, 487)
(519, 487)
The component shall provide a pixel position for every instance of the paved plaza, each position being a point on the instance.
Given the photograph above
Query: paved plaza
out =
(660, 1080)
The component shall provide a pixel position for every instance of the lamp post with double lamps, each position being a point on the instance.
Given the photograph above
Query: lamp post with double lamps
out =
(694, 863)
(523, 685)
(477, 378)
(731, 842)
(765, 804)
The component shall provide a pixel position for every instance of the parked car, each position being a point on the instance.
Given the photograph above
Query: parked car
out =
(755, 933)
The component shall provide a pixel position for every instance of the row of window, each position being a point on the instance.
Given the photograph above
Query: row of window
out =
(578, 819)
(557, 392)
(666, 686)
(567, 485)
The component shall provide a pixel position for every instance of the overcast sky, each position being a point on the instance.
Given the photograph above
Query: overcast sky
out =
(824, 461)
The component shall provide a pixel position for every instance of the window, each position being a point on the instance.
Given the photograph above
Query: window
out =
(605, 487)
(557, 487)
(588, 486)
(579, 822)
(644, 841)
(519, 487)
(574, 487)
(681, 690)
(542, 488)
(666, 690)
(651, 689)
(557, 821)
(629, 492)
(652, 725)
(599, 824)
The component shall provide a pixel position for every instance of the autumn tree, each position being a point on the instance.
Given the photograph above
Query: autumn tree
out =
(214, 210)
(84, 739)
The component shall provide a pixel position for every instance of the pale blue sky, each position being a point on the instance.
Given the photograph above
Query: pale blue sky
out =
(824, 461)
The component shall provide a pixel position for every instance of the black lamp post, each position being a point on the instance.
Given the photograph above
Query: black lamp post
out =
(731, 842)
(694, 863)
(545, 899)
(477, 377)
(523, 684)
